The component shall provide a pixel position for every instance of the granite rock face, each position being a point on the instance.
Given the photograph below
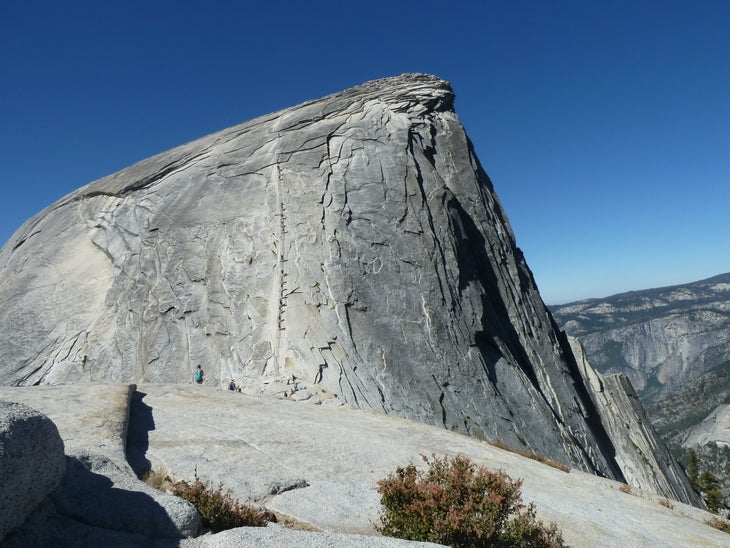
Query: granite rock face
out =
(32, 462)
(354, 242)
(98, 500)
(659, 338)
(644, 459)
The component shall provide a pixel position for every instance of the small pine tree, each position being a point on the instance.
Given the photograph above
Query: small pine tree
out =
(710, 488)
(693, 469)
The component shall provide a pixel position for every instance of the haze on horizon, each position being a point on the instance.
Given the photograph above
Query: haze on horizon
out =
(604, 128)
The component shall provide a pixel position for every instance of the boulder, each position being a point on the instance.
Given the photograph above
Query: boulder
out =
(32, 462)
(99, 497)
(97, 492)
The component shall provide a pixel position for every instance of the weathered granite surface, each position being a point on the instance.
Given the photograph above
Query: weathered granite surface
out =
(644, 459)
(32, 462)
(251, 443)
(353, 241)
(96, 490)
(87, 416)
(276, 537)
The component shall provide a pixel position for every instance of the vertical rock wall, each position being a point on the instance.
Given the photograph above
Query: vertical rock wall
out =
(643, 458)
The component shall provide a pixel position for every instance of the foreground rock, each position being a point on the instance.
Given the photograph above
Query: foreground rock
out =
(276, 537)
(318, 466)
(87, 416)
(354, 242)
(98, 497)
(97, 492)
(32, 462)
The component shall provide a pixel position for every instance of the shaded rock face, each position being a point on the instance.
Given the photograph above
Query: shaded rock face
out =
(95, 500)
(643, 458)
(97, 492)
(32, 462)
(354, 241)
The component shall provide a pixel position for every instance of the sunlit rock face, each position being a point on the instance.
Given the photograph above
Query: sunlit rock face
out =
(659, 338)
(353, 241)
(32, 462)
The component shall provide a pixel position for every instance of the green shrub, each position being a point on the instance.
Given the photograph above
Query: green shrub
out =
(710, 489)
(459, 504)
(218, 510)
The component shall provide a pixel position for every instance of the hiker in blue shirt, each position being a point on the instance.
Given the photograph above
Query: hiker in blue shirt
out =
(199, 375)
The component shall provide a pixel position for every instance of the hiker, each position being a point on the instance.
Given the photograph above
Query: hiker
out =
(232, 386)
(199, 375)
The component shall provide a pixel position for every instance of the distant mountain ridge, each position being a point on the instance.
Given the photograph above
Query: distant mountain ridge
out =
(659, 338)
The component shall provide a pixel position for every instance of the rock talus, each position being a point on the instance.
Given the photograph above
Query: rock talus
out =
(352, 241)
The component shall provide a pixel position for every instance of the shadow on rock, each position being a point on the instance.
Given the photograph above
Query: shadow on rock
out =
(141, 422)
(95, 491)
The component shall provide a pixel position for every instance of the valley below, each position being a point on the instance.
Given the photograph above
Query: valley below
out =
(673, 344)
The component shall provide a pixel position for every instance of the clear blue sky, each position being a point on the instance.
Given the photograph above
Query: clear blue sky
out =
(605, 126)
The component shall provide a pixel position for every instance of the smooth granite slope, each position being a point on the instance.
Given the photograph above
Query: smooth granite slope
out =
(320, 465)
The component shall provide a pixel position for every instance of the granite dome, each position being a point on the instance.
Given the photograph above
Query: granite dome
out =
(353, 241)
